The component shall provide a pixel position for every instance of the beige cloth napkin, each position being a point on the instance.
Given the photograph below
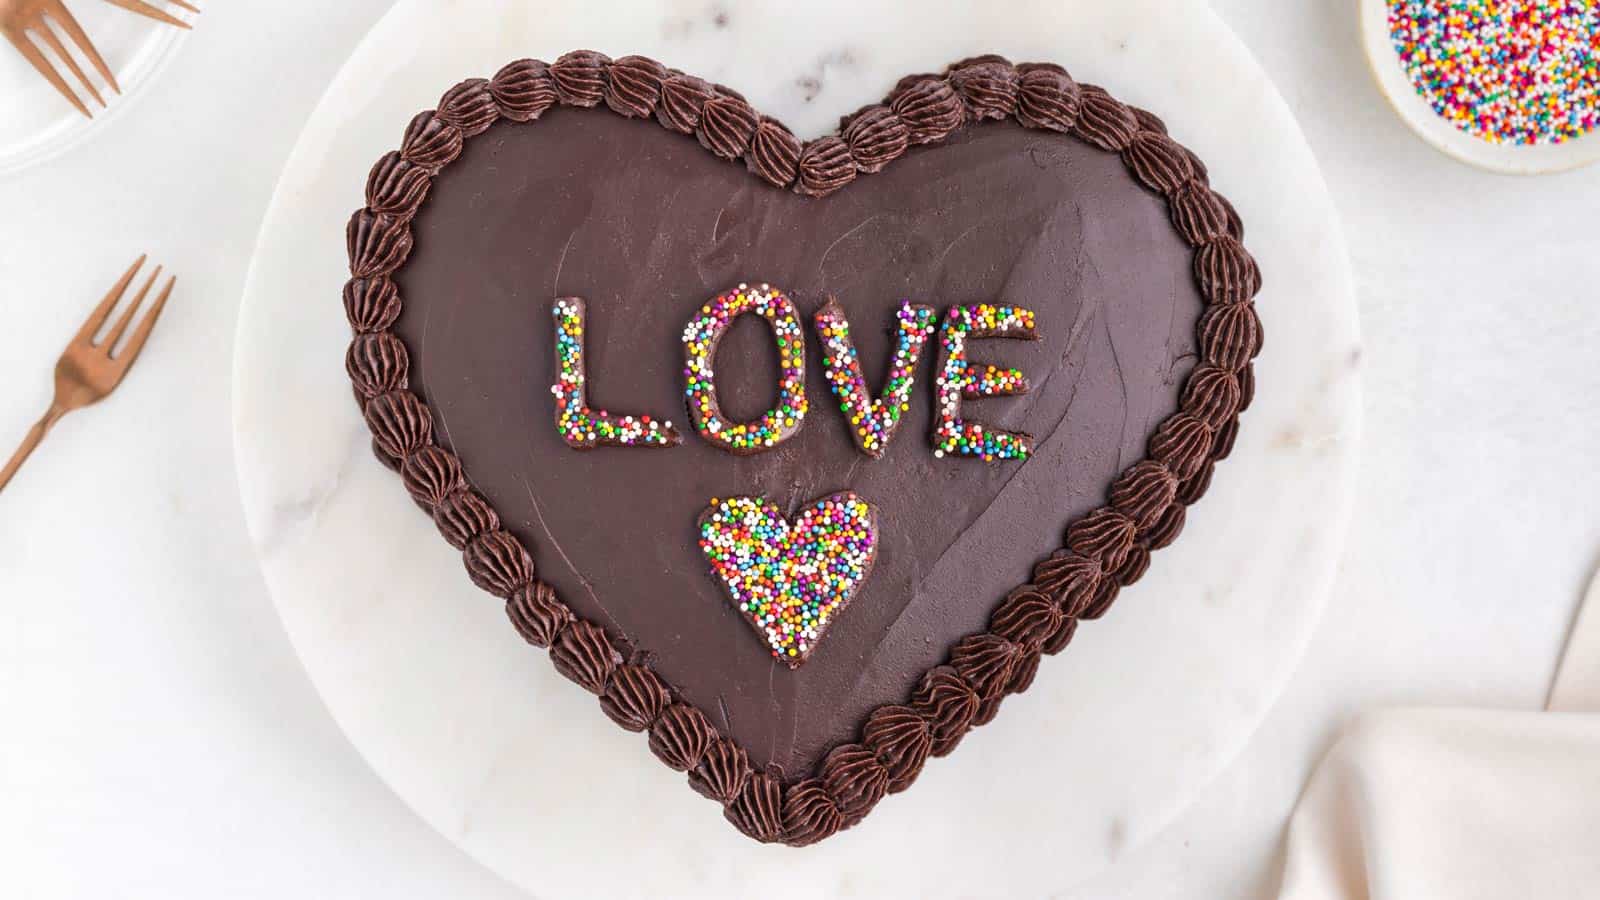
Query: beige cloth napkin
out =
(1456, 804)
(1577, 685)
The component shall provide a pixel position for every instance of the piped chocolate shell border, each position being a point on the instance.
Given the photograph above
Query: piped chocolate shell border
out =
(1105, 550)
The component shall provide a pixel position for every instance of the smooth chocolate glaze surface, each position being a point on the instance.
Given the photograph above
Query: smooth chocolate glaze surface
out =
(645, 225)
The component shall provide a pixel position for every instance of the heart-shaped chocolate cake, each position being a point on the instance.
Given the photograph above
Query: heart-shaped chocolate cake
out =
(798, 454)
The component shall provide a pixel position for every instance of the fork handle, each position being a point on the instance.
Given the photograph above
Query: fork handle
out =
(35, 435)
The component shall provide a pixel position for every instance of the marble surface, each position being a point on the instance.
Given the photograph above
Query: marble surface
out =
(480, 735)
(158, 736)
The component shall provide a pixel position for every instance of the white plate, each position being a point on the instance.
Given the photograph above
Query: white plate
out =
(477, 732)
(1508, 159)
(37, 123)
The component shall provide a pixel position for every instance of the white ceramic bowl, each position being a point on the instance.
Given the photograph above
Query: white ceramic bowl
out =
(37, 123)
(1507, 159)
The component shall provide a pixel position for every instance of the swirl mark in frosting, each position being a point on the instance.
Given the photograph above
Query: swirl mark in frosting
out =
(524, 90)
(538, 615)
(498, 563)
(929, 106)
(1182, 442)
(774, 153)
(1071, 579)
(1103, 121)
(1143, 491)
(1104, 534)
(758, 810)
(635, 86)
(825, 167)
(1148, 121)
(1212, 393)
(430, 142)
(1198, 212)
(1192, 487)
(399, 422)
(371, 304)
(809, 814)
(1230, 336)
(580, 77)
(984, 662)
(682, 98)
(583, 654)
(726, 125)
(855, 779)
(634, 697)
(1058, 641)
(1047, 97)
(901, 739)
(395, 186)
(722, 771)
(377, 364)
(876, 137)
(1166, 528)
(680, 736)
(1026, 617)
(948, 703)
(463, 516)
(430, 475)
(988, 84)
(1247, 389)
(377, 243)
(1158, 161)
(469, 106)
(1222, 444)
(1134, 566)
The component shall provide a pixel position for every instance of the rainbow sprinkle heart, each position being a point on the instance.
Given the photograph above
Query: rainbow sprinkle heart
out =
(790, 579)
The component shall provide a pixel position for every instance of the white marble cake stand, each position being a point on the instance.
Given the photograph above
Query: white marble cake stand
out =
(477, 732)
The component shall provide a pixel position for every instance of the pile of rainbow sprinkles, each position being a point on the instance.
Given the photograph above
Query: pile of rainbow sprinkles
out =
(1507, 71)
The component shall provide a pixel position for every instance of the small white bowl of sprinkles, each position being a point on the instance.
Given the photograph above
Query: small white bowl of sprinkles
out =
(1512, 86)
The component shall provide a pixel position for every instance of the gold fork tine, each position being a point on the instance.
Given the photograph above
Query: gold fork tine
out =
(34, 55)
(86, 373)
(142, 333)
(145, 9)
(48, 35)
(103, 311)
(63, 17)
(115, 334)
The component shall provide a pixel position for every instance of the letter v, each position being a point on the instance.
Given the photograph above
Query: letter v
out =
(872, 422)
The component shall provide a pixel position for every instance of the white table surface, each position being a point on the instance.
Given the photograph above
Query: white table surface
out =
(158, 737)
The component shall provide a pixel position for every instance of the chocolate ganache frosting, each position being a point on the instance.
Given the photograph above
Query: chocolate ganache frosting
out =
(646, 226)
(989, 184)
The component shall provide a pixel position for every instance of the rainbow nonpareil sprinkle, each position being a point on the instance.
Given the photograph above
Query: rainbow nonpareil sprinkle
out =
(962, 380)
(872, 422)
(580, 426)
(1507, 71)
(700, 339)
(789, 579)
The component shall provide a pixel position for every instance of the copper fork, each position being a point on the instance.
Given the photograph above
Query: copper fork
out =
(146, 9)
(19, 18)
(89, 370)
